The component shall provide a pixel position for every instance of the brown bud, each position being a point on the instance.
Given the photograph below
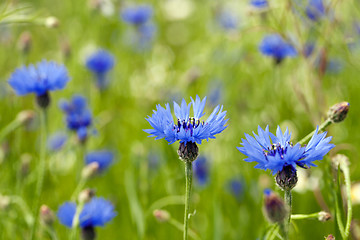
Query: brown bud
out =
(161, 215)
(324, 216)
(86, 195)
(330, 237)
(274, 207)
(338, 112)
(287, 178)
(188, 152)
(47, 216)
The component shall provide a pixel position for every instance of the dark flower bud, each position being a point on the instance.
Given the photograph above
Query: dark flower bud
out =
(161, 215)
(88, 233)
(47, 216)
(324, 216)
(338, 112)
(330, 237)
(188, 152)
(86, 195)
(43, 100)
(274, 207)
(25, 42)
(287, 178)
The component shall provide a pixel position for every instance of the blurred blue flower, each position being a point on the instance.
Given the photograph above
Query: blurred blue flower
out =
(146, 33)
(186, 129)
(275, 46)
(45, 76)
(100, 63)
(201, 170)
(227, 19)
(78, 115)
(260, 4)
(315, 10)
(137, 15)
(104, 158)
(236, 188)
(95, 213)
(281, 152)
(57, 141)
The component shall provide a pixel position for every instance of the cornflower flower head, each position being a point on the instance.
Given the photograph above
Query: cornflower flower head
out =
(227, 19)
(188, 130)
(103, 158)
(57, 141)
(96, 212)
(279, 155)
(259, 4)
(78, 116)
(275, 46)
(137, 15)
(40, 79)
(100, 63)
(315, 10)
(201, 170)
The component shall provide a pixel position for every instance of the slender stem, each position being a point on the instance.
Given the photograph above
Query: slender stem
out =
(188, 177)
(78, 188)
(41, 170)
(76, 221)
(179, 226)
(346, 172)
(9, 128)
(324, 125)
(338, 207)
(304, 216)
(288, 202)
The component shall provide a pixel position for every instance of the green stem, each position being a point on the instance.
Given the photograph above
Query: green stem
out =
(304, 216)
(9, 128)
(78, 188)
(179, 226)
(324, 125)
(76, 221)
(41, 170)
(288, 202)
(188, 176)
(346, 172)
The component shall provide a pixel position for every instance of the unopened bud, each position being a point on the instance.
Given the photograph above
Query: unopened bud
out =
(88, 233)
(324, 216)
(25, 160)
(26, 116)
(43, 101)
(4, 202)
(338, 112)
(86, 195)
(330, 237)
(340, 160)
(52, 22)
(90, 170)
(25, 42)
(287, 178)
(274, 207)
(188, 152)
(47, 216)
(161, 215)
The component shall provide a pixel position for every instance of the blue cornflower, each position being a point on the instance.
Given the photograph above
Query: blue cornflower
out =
(96, 212)
(45, 76)
(100, 63)
(275, 46)
(57, 141)
(186, 128)
(103, 158)
(201, 170)
(227, 20)
(315, 9)
(137, 15)
(280, 152)
(260, 4)
(78, 115)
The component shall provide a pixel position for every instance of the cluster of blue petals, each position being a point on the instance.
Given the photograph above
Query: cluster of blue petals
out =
(275, 46)
(45, 76)
(56, 141)
(201, 170)
(137, 15)
(96, 212)
(100, 63)
(276, 152)
(78, 115)
(186, 128)
(260, 4)
(103, 158)
(236, 188)
(315, 10)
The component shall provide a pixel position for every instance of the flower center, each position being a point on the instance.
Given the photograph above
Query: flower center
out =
(277, 148)
(188, 125)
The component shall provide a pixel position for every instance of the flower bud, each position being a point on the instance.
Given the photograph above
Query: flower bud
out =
(274, 207)
(324, 216)
(47, 216)
(26, 116)
(25, 160)
(287, 178)
(340, 160)
(338, 112)
(330, 237)
(25, 42)
(43, 101)
(88, 233)
(86, 195)
(90, 170)
(52, 22)
(161, 215)
(4, 202)
(188, 152)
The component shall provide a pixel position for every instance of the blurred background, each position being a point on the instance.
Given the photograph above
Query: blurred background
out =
(182, 48)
